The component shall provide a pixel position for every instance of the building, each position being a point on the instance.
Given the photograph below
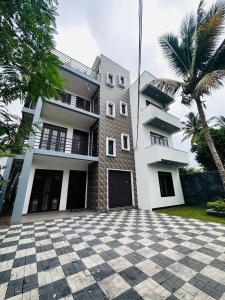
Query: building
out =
(156, 159)
(81, 155)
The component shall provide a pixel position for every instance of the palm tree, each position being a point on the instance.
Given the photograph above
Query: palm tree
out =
(191, 127)
(220, 122)
(197, 55)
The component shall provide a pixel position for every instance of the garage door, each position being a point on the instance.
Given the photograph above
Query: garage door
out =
(120, 193)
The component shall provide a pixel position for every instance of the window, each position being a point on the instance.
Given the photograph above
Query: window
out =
(123, 109)
(125, 142)
(53, 138)
(110, 79)
(166, 184)
(122, 80)
(110, 109)
(158, 139)
(110, 147)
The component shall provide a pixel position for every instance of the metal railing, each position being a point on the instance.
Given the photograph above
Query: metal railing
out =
(67, 60)
(78, 102)
(63, 144)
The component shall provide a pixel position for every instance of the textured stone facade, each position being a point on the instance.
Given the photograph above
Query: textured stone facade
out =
(113, 128)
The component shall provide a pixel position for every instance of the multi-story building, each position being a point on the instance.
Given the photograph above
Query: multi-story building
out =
(156, 159)
(81, 155)
(84, 153)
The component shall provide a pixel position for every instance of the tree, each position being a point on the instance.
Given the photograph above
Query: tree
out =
(220, 122)
(189, 170)
(192, 127)
(198, 57)
(28, 68)
(201, 149)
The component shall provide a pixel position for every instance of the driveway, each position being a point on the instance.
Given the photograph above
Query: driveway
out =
(119, 255)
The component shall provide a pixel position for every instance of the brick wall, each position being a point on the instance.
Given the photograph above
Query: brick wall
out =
(113, 128)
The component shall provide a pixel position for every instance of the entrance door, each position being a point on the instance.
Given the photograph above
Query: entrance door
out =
(76, 190)
(119, 189)
(46, 190)
(80, 142)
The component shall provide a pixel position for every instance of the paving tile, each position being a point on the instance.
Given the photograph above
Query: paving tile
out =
(118, 255)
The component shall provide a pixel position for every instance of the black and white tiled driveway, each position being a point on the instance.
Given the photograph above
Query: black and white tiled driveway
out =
(119, 255)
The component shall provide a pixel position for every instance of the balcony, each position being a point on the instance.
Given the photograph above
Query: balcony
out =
(155, 93)
(165, 155)
(161, 119)
(45, 144)
(78, 102)
(78, 68)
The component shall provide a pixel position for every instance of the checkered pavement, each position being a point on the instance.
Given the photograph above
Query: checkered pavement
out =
(118, 255)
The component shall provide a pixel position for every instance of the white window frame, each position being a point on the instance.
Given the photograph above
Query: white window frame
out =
(107, 109)
(107, 79)
(121, 111)
(107, 147)
(120, 76)
(122, 141)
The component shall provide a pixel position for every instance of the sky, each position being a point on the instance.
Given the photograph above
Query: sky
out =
(86, 28)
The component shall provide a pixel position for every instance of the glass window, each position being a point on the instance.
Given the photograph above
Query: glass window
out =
(158, 139)
(110, 147)
(125, 141)
(166, 184)
(123, 108)
(110, 109)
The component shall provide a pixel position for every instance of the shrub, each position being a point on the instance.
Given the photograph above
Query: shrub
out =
(218, 205)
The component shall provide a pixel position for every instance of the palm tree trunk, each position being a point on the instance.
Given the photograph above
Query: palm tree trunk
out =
(210, 142)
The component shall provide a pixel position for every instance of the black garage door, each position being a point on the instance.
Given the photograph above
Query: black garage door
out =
(120, 193)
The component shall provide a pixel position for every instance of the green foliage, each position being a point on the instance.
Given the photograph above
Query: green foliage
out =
(189, 170)
(197, 53)
(218, 205)
(220, 122)
(28, 67)
(201, 150)
(13, 133)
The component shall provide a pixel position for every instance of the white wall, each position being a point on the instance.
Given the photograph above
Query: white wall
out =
(53, 163)
(148, 188)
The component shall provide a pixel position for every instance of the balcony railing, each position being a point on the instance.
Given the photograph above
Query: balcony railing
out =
(78, 102)
(67, 60)
(62, 144)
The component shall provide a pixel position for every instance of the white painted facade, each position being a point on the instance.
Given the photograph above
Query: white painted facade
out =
(153, 158)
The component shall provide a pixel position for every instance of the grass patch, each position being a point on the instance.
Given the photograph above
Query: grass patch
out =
(185, 211)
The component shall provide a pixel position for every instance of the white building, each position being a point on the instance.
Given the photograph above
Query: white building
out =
(156, 159)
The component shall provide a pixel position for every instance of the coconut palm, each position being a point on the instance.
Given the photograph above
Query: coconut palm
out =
(191, 127)
(220, 122)
(197, 55)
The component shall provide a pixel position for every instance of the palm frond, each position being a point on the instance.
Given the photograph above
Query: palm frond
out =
(210, 81)
(220, 122)
(187, 35)
(207, 35)
(217, 62)
(174, 53)
(169, 86)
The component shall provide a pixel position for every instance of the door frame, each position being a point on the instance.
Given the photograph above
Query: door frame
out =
(58, 205)
(132, 184)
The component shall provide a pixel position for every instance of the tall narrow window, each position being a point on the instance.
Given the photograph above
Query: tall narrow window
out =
(110, 79)
(125, 142)
(166, 184)
(122, 80)
(110, 147)
(110, 109)
(123, 108)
